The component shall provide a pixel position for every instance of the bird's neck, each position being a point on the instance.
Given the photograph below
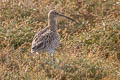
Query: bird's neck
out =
(52, 22)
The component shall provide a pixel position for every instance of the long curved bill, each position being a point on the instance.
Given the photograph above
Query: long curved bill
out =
(66, 17)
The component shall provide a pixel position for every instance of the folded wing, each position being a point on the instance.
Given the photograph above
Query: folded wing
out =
(42, 41)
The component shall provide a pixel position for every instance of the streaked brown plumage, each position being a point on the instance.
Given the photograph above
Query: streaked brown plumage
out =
(47, 39)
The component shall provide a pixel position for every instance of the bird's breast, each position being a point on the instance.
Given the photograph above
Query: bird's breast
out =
(55, 42)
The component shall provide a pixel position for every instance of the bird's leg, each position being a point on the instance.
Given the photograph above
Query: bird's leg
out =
(38, 57)
(53, 61)
(52, 55)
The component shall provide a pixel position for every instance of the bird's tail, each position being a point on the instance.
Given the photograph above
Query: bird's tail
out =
(32, 51)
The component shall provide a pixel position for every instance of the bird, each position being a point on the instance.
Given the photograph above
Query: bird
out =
(47, 40)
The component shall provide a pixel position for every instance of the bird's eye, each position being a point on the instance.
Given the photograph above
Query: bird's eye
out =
(56, 13)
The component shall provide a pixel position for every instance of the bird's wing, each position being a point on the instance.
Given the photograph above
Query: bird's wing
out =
(41, 41)
(40, 33)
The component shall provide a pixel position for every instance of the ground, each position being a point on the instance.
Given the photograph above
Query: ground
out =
(89, 50)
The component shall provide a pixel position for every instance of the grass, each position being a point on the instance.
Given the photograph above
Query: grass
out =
(87, 51)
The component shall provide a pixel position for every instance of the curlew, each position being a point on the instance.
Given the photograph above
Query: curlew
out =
(48, 39)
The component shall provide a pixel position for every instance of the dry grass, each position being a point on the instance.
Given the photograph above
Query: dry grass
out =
(88, 51)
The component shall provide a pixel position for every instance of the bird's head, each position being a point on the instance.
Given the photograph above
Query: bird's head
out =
(54, 14)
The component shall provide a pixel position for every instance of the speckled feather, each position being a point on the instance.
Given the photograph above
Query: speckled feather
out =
(48, 39)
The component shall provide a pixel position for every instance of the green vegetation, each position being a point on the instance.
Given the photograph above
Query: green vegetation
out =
(89, 50)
